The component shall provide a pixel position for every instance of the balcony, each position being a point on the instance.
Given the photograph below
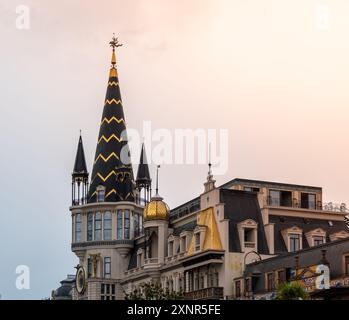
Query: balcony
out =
(340, 208)
(151, 263)
(102, 243)
(214, 293)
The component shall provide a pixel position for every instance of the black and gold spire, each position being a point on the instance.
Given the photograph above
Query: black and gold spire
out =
(143, 180)
(110, 173)
(79, 176)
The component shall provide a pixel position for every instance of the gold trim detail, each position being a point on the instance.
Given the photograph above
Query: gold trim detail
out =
(113, 136)
(107, 158)
(212, 239)
(111, 119)
(110, 193)
(113, 73)
(104, 179)
(113, 83)
(113, 101)
(95, 193)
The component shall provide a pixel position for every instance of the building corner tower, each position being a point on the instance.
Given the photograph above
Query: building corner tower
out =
(106, 217)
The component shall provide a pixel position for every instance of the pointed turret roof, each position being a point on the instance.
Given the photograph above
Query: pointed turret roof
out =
(143, 174)
(110, 151)
(80, 162)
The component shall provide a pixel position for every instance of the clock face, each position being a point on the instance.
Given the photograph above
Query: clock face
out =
(80, 281)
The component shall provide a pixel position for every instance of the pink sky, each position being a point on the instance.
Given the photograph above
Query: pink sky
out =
(265, 70)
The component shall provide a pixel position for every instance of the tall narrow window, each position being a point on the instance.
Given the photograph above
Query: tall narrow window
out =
(107, 267)
(197, 242)
(281, 277)
(120, 225)
(98, 226)
(295, 242)
(78, 227)
(183, 244)
(274, 198)
(237, 289)
(136, 224)
(170, 249)
(141, 224)
(346, 264)
(270, 281)
(89, 267)
(90, 227)
(127, 224)
(107, 226)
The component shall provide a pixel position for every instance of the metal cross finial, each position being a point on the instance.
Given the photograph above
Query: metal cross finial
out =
(114, 43)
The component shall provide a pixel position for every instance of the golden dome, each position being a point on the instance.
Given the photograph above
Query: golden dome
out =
(156, 209)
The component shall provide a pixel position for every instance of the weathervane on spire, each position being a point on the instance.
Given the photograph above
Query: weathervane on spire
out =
(114, 43)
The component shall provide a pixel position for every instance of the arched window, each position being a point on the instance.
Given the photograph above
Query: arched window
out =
(98, 227)
(107, 226)
(78, 227)
(127, 224)
(90, 227)
(119, 225)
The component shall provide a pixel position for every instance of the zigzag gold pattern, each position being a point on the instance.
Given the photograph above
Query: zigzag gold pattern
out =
(113, 136)
(110, 193)
(112, 119)
(107, 158)
(113, 101)
(104, 179)
(113, 83)
(93, 194)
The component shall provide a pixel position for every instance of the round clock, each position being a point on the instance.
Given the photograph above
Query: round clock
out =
(80, 280)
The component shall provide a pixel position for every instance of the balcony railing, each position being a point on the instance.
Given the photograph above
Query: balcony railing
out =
(151, 261)
(215, 293)
(320, 206)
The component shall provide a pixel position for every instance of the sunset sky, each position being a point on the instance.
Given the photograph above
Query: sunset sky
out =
(274, 73)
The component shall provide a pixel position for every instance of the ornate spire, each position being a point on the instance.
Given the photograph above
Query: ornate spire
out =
(143, 175)
(114, 43)
(210, 183)
(79, 176)
(80, 167)
(112, 146)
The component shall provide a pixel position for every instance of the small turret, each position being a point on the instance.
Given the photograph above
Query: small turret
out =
(79, 177)
(143, 181)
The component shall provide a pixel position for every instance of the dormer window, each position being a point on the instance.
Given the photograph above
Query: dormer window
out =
(316, 237)
(293, 238)
(248, 234)
(100, 194)
(339, 235)
(318, 240)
